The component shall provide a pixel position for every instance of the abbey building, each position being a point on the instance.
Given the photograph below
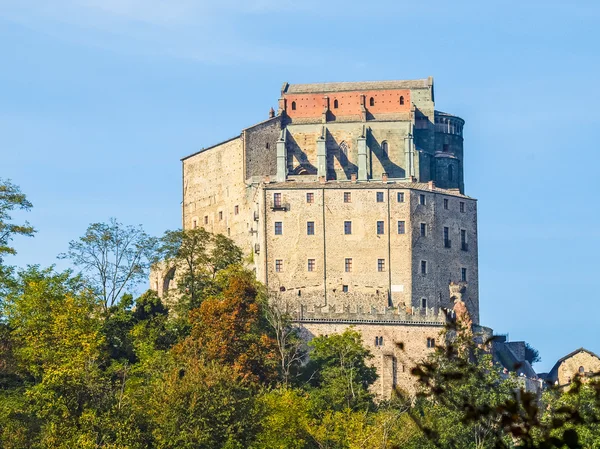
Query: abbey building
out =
(351, 201)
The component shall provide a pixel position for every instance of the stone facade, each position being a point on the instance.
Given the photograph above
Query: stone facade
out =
(580, 362)
(350, 202)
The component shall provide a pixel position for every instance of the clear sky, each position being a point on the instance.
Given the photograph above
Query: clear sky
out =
(99, 99)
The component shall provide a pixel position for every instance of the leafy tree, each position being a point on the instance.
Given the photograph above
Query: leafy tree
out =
(339, 372)
(114, 256)
(11, 198)
(198, 256)
(532, 355)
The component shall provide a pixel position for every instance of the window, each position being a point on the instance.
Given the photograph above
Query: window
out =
(581, 370)
(293, 105)
(277, 199)
(278, 228)
(379, 197)
(423, 229)
(401, 227)
(380, 264)
(401, 99)
(423, 267)
(422, 201)
(450, 173)
(267, 145)
(463, 240)
(278, 265)
(347, 265)
(206, 219)
(371, 101)
(347, 197)
(446, 148)
(220, 215)
(310, 228)
(311, 264)
(423, 303)
(335, 104)
(347, 227)
(447, 243)
(310, 197)
(446, 203)
(384, 148)
(462, 206)
(400, 197)
(236, 210)
(194, 224)
(345, 288)
(463, 274)
(380, 228)
(431, 342)
(344, 149)
(379, 341)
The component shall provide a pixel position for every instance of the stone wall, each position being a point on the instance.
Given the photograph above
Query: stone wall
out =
(571, 366)
(260, 147)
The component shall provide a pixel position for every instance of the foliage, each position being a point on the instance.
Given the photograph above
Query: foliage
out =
(115, 257)
(532, 355)
(11, 198)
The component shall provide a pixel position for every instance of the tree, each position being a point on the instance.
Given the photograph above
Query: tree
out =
(114, 256)
(12, 199)
(532, 355)
(198, 256)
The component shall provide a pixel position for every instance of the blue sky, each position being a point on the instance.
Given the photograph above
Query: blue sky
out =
(99, 99)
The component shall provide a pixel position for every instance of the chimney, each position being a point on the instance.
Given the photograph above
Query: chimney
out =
(267, 179)
(353, 177)
(431, 185)
(384, 177)
(322, 179)
(272, 113)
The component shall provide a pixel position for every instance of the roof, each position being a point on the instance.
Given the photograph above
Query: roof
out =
(359, 85)
(212, 146)
(554, 371)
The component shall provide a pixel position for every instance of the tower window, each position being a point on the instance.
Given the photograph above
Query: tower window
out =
(422, 200)
(423, 229)
(400, 197)
(194, 224)
(278, 265)
(347, 197)
(345, 288)
(380, 264)
(293, 105)
(401, 227)
(462, 206)
(335, 104)
(581, 370)
(423, 267)
(220, 215)
(236, 210)
(463, 274)
(310, 228)
(311, 265)
(277, 199)
(380, 228)
(278, 228)
(310, 197)
(379, 197)
(446, 203)
(401, 99)
(371, 101)
(379, 341)
(384, 148)
(446, 148)
(348, 265)
(423, 303)
(206, 219)
(347, 227)
(447, 237)
(463, 240)
(431, 342)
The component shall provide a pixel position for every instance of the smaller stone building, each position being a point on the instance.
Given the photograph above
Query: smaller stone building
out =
(580, 362)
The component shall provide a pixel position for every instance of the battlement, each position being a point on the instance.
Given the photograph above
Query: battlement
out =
(357, 315)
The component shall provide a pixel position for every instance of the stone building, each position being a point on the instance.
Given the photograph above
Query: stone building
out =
(580, 362)
(350, 200)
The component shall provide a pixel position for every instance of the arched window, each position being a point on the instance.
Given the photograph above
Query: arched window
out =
(335, 104)
(424, 303)
(581, 370)
(401, 99)
(293, 105)
(371, 101)
(380, 341)
(384, 147)
(450, 173)
(344, 149)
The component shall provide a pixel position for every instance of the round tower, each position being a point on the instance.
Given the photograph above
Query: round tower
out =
(448, 158)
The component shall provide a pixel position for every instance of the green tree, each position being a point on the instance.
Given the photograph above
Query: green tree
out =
(11, 199)
(115, 257)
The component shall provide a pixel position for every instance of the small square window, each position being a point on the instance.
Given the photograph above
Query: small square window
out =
(400, 197)
(206, 219)
(277, 199)
(380, 197)
(310, 228)
(278, 228)
(347, 265)
(401, 227)
(446, 203)
(236, 210)
(345, 288)
(462, 206)
(220, 215)
(310, 197)
(347, 227)
(423, 229)
(463, 274)
(380, 228)
(423, 267)
(311, 264)
(347, 197)
(380, 264)
(423, 303)
(278, 265)
(422, 200)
